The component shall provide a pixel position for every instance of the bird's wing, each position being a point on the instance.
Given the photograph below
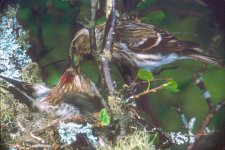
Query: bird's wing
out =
(141, 37)
(85, 103)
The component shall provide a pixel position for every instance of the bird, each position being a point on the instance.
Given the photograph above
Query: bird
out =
(142, 45)
(75, 94)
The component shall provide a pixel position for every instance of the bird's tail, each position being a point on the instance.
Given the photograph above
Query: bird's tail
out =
(198, 55)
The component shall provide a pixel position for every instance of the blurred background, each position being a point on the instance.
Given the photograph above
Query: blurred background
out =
(53, 23)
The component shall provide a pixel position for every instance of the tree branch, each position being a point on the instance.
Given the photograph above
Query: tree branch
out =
(108, 45)
(212, 110)
(147, 92)
(94, 4)
(198, 80)
(204, 92)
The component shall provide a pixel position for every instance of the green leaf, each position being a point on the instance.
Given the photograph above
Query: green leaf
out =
(100, 20)
(171, 85)
(76, 60)
(144, 4)
(104, 117)
(60, 5)
(144, 75)
(154, 17)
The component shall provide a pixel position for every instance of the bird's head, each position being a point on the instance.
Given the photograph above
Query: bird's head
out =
(80, 44)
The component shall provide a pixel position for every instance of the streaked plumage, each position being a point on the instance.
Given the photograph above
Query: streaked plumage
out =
(75, 94)
(142, 45)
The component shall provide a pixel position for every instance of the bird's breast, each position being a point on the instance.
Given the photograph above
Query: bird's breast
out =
(148, 61)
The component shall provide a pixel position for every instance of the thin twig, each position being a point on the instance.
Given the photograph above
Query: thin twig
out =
(205, 123)
(94, 51)
(134, 83)
(37, 138)
(94, 4)
(147, 92)
(40, 146)
(53, 63)
(75, 118)
(108, 45)
(188, 125)
(204, 92)
(20, 125)
(212, 109)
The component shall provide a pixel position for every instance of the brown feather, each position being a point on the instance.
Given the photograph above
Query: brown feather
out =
(199, 56)
(142, 45)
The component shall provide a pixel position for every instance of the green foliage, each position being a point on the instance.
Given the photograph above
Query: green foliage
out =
(76, 60)
(60, 5)
(145, 4)
(104, 117)
(144, 75)
(154, 17)
(171, 85)
(100, 20)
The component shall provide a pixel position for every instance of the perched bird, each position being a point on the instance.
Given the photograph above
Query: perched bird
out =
(74, 94)
(142, 45)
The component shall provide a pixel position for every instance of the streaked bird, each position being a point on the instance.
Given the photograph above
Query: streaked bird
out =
(142, 45)
(75, 94)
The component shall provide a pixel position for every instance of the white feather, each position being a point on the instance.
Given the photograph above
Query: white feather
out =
(148, 56)
(159, 39)
(147, 61)
(161, 60)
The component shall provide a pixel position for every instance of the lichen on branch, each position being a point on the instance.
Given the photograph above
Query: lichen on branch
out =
(13, 44)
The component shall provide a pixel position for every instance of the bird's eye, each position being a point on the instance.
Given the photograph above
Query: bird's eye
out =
(74, 48)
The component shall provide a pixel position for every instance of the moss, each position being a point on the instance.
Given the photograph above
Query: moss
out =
(138, 140)
(31, 73)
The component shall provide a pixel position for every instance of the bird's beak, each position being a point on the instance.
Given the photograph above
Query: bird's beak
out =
(76, 62)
